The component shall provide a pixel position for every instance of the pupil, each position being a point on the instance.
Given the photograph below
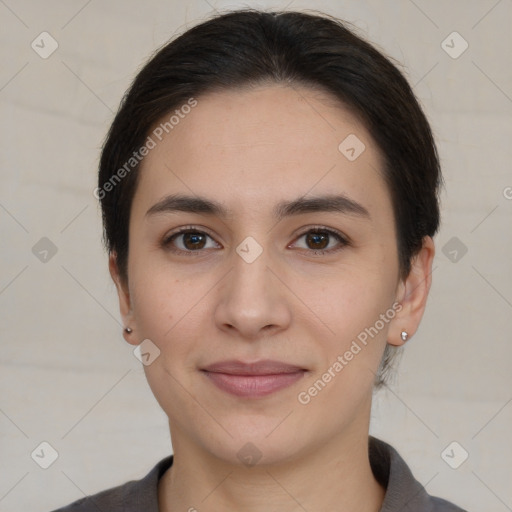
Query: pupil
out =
(194, 238)
(315, 238)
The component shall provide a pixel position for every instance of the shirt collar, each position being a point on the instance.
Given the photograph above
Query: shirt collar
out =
(403, 492)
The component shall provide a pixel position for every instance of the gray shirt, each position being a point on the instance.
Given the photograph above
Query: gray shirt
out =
(403, 492)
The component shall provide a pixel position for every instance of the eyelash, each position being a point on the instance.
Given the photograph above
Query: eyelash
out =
(344, 242)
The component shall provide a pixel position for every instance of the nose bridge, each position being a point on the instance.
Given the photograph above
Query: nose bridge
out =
(250, 269)
(252, 299)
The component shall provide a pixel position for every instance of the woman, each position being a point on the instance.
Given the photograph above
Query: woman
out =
(269, 190)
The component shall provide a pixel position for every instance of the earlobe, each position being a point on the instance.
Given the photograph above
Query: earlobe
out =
(124, 300)
(412, 294)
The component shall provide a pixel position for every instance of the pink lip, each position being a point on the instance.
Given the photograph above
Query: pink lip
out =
(253, 380)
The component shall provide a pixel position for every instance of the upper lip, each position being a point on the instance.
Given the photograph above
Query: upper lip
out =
(263, 367)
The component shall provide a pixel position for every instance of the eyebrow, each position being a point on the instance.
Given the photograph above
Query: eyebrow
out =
(202, 205)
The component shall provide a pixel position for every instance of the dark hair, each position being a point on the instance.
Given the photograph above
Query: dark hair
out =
(250, 47)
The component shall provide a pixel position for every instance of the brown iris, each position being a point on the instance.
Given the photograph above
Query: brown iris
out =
(196, 240)
(318, 240)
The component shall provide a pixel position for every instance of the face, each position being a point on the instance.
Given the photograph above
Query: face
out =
(286, 251)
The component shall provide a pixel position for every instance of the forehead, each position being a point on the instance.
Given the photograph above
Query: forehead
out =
(252, 146)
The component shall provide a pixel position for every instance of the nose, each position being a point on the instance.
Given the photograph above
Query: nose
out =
(253, 302)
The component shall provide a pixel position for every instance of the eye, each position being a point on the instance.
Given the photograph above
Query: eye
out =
(318, 240)
(188, 240)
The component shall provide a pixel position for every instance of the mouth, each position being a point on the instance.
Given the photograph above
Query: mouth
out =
(253, 380)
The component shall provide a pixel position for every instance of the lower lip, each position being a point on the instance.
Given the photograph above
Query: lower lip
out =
(253, 386)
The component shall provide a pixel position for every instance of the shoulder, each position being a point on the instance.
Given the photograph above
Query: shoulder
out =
(133, 496)
(403, 492)
(440, 505)
(114, 499)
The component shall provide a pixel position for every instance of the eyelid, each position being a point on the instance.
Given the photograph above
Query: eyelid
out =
(186, 229)
(342, 239)
(167, 240)
(320, 227)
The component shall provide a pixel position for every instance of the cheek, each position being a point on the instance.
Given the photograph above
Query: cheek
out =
(155, 304)
(353, 295)
(168, 312)
(171, 312)
(358, 308)
(349, 358)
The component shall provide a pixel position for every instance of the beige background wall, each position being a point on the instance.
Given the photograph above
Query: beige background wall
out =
(66, 375)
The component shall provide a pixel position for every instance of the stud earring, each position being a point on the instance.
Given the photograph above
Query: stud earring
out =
(128, 330)
(404, 335)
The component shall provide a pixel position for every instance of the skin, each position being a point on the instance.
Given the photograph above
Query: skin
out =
(250, 149)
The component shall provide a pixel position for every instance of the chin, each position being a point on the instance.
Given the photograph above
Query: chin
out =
(256, 440)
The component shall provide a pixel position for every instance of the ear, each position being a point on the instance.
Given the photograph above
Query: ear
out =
(124, 299)
(412, 294)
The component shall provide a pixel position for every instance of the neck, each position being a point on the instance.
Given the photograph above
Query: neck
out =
(334, 476)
